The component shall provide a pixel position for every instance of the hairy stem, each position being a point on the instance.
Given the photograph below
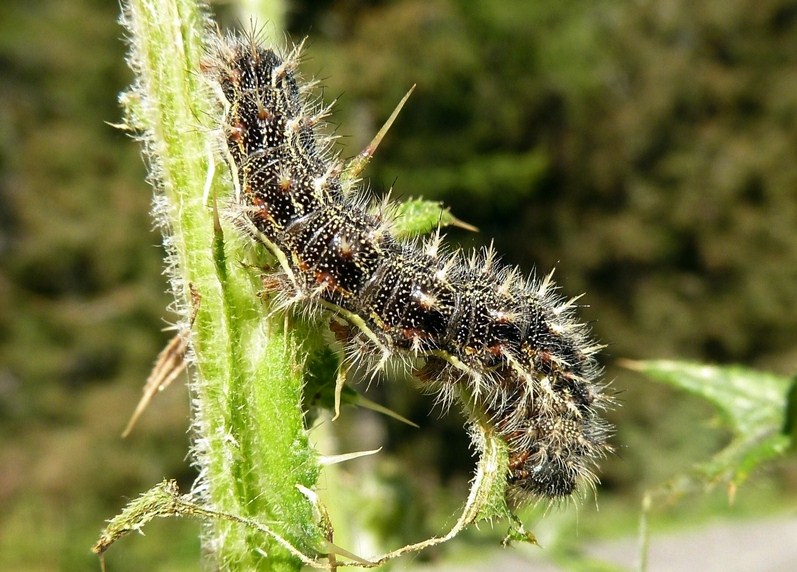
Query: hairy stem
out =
(249, 439)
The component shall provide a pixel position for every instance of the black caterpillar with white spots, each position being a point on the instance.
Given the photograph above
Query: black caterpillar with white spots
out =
(526, 365)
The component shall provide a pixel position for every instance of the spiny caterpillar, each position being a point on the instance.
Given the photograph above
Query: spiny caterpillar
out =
(469, 325)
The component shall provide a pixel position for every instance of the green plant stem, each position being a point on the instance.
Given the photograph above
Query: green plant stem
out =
(249, 439)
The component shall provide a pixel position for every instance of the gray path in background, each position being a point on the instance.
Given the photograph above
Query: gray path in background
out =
(749, 546)
(752, 546)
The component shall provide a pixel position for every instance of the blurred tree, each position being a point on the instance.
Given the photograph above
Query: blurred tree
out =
(81, 292)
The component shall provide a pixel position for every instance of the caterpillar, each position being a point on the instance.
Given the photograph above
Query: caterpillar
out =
(468, 322)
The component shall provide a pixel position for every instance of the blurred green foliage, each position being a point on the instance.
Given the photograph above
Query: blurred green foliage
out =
(753, 405)
(645, 149)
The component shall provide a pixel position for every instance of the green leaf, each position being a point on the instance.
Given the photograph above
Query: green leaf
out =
(415, 217)
(752, 404)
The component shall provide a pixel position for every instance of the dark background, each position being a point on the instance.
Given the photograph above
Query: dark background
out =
(644, 149)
